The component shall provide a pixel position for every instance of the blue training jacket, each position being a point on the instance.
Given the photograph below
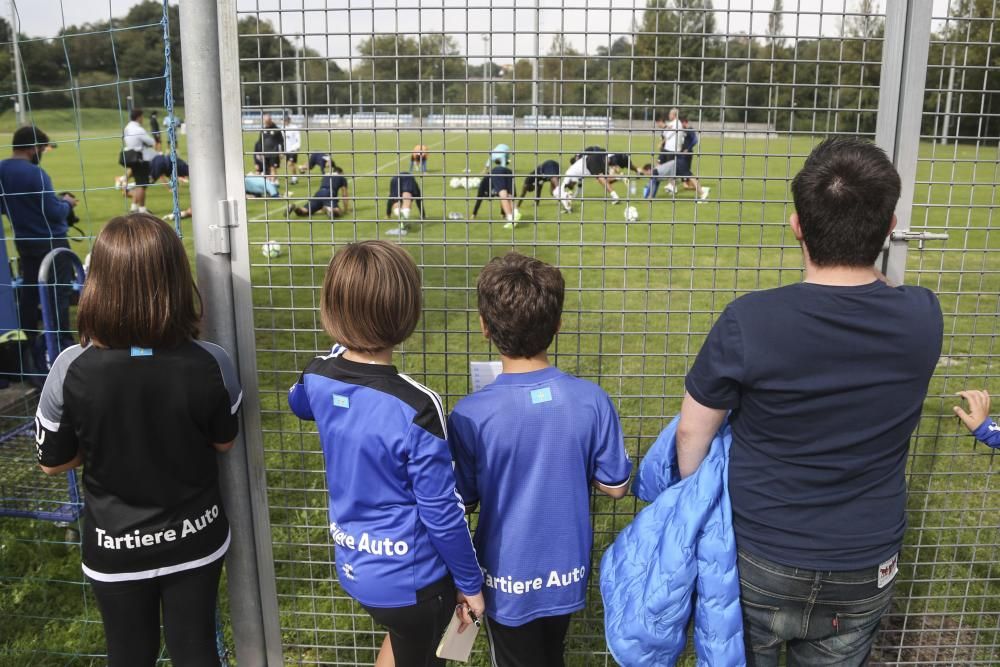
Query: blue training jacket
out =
(681, 544)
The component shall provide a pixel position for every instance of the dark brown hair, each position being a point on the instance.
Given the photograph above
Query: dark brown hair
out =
(520, 301)
(845, 196)
(371, 296)
(139, 290)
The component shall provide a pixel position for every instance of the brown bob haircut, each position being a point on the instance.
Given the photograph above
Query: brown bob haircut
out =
(371, 296)
(521, 302)
(139, 290)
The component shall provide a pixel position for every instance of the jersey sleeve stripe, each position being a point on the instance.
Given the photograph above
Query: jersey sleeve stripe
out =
(237, 403)
(434, 398)
(47, 423)
(229, 374)
(615, 485)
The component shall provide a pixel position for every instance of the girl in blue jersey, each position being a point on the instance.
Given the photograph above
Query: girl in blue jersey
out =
(977, 419)
(398, 525)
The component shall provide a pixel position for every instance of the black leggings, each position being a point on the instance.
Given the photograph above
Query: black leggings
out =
(416, 630)
(131, 613)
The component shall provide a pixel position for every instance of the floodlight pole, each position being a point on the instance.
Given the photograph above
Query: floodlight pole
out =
(22, 110)
(535, 65)
(947, 99)
(487, 66)
(299, 51)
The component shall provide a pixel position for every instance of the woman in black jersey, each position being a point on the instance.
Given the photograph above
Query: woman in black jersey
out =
(144, 406)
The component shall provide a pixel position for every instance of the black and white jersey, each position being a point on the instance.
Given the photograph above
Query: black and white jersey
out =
(620, 160)
(597, 160)
(145, 421)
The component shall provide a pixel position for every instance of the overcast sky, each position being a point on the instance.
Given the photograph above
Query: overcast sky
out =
(334, 30)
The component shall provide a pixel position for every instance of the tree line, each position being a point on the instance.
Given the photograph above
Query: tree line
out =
(674, 56)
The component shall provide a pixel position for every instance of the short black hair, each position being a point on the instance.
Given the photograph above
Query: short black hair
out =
(845, 197)
(28, 137)
(135, 113)
(521, 302)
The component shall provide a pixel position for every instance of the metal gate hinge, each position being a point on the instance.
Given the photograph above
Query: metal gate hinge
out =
(909, 235)
(220, 232)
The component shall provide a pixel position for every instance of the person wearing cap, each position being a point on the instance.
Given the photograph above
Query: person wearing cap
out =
(39, 218)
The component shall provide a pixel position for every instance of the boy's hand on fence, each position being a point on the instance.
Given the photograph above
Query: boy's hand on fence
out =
(471, 608)
(979, 408)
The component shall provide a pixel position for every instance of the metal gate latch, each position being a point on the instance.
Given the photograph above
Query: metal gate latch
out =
(919, 237)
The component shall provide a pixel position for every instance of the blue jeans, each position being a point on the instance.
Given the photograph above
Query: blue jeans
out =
(822, 618)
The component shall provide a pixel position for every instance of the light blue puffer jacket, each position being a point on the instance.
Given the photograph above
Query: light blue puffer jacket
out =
(681, 544)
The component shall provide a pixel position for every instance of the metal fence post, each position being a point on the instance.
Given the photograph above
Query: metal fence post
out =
(900, 109)
(203, 107)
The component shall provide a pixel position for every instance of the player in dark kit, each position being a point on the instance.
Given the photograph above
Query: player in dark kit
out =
(332, 197)
(269, 146)
(404, 193)
(546, 171)
(161, 167)
(499, 183)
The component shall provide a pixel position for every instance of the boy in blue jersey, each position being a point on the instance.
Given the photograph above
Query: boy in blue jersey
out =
(332, 197)
(527, 449)
(977, 419)
(402, 544)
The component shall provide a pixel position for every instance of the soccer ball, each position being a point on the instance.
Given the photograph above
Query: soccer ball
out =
(270, 249)
(455, 183)
(631, 214)
(473, 182)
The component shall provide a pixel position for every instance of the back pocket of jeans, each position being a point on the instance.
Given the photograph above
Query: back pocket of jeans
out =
(759, 624)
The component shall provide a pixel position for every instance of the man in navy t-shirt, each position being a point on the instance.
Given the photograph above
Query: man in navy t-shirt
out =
(527, 449)
(825, 380)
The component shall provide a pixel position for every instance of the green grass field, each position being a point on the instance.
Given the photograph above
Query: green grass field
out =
(640, 297)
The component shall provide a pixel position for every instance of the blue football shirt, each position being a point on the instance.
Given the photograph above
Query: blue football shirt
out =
(396, 520)
(527, 448)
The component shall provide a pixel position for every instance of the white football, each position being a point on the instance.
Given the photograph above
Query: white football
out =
(270, 249)
(631, 213)
(454, 183)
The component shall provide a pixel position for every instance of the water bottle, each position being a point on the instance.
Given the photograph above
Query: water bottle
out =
(645, 191)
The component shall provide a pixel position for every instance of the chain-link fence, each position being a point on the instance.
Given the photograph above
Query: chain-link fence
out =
(760, 84)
